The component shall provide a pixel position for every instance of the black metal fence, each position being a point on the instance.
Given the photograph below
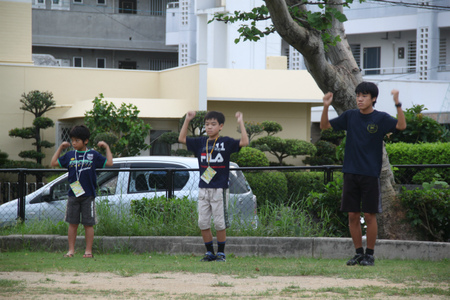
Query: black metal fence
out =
(23, 198)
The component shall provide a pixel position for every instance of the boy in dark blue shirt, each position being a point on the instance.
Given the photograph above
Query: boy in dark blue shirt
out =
(366, 128)
(213, 153)
(81, 164)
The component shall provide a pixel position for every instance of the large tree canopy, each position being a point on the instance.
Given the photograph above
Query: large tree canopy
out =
(318, 35)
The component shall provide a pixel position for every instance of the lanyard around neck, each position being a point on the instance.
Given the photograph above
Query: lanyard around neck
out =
(76, 164)
(208, 157)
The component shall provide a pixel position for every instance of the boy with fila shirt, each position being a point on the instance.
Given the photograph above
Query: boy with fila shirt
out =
(366, 128)
(81, 164)
(213, 153)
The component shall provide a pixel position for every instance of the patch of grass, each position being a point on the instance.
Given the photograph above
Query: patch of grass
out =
(222, 284)
(395, 271)
(274, 220)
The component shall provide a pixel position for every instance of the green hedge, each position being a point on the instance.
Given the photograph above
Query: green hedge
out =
(417, 154)
(268, 186)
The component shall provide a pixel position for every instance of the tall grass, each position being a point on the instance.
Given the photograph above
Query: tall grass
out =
(178, 217)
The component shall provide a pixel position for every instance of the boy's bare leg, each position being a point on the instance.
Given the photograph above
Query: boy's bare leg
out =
(207, 235)
(221, 235)
(372, 229)
(72, 237)
(89, 237)
(354, 223)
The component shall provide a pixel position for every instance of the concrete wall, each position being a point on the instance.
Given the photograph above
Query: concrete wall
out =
(82, 26)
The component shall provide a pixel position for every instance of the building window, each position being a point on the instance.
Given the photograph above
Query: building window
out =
(39, 4)
(78, 1)
(78, 62)
(101, 63)
(127, 6)
(63, 130)
(158, 7)
(162, 64)
(60, 4)
(412, 53)
(442, 55)
(371, 62)
(356, 51)
(127, 65)
(101, 2)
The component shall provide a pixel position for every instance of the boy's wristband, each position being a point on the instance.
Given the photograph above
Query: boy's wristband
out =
(398, 104)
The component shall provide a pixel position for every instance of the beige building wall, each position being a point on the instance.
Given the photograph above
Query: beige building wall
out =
(72, 85)
(15, 33)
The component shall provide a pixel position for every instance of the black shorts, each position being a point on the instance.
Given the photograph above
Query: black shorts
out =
(361, 193)
(81, 210)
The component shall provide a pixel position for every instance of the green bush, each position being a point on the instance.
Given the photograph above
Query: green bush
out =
(250, 157)
(428, 211)
(420, 128)
(268, 186)
(166, 210)
(300, 184)
(325, 207)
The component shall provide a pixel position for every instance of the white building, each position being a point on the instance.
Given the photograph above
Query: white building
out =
(396, 45)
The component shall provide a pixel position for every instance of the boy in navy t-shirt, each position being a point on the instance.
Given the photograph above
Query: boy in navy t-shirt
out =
(366, 128)
(81, 165)
(213, 153)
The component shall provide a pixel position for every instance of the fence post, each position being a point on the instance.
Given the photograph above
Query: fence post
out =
(22, 193)
(170, 180)
(328, 175)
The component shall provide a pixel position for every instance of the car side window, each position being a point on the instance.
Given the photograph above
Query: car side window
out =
(155, 180)
(107, 183)
(61, 190)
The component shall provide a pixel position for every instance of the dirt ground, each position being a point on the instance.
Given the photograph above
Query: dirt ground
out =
(68, 285)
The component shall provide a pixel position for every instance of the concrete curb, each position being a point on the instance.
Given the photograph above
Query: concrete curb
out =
(334, 248)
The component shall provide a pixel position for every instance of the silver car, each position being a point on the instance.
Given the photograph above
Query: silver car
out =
(135, 181)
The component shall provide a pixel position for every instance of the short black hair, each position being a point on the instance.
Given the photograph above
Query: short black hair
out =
(80, 132)
(366, 87)
(217, 115)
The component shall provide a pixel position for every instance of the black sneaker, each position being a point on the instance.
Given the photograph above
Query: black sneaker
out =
(356, 260)
(209, 257)
(368, 260)
(220, 256)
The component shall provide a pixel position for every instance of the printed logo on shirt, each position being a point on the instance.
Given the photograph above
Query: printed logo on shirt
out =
(90, 156)
(372, 128)
(217, 159)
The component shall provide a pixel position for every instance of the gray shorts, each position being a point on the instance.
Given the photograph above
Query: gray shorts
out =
(213, 202)
(81, 210)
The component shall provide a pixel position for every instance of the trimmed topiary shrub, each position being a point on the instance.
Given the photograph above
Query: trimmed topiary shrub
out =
(250, 157)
